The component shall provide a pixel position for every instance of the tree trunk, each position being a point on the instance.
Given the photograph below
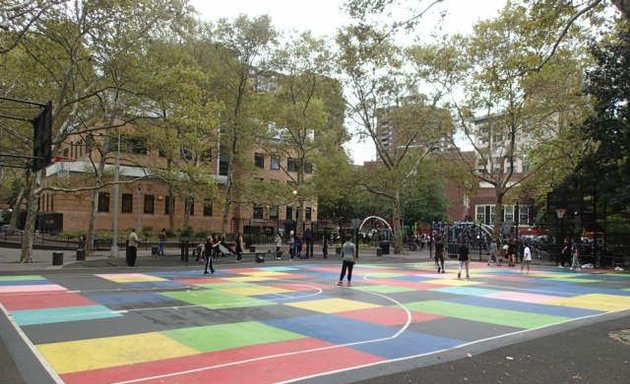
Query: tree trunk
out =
(16, 209)
(498, 217)
(396, 221)
(34, 180)
(91, 231)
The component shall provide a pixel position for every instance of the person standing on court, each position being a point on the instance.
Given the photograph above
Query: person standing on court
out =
(527, 258)
(439, 253)
(348, 258)
(462, 256)
(132, 248)
(162, 239)
(239, 246)
(208, 250)
(278, 242)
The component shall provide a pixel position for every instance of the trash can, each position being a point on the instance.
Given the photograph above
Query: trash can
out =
(252, 248)
(384, 245)
(379, 251)
(80, 254)
(154, 250)
(57, 258)
(338, 251)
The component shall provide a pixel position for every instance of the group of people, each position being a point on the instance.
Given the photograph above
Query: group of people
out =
(569, 255)
(509, 251)
(299, 243)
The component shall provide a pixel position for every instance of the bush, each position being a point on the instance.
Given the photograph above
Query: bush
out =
(186, 231)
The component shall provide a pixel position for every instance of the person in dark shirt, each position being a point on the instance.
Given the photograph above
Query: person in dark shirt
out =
(462, 256)
(439, 254)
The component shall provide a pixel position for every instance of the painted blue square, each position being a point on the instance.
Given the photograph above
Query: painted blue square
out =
(413, 278)
(156, 284)
(468, 291)
(334, 329)
(62, 314)
(127, 298)
(540, 309)
(407, 344)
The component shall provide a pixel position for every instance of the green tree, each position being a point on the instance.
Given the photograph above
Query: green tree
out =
(65, 57)
(245, 49)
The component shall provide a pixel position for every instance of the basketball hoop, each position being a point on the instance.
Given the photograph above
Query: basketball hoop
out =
(561, 212)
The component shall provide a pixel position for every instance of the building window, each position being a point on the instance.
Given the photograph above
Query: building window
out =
(308, 214)
(291, 165)
(508, 211)
(289, 215)
(186, 153)
(207, 207)
(149, 204)
(259, 160)
(103, 201)
(308, 168)
(523, 214)
(223, 163)
(274, 213)
(275, 163)
(167, 205)
(136, 145)
(481, 214)
(190, 203)
(127, 203)
(259, 212)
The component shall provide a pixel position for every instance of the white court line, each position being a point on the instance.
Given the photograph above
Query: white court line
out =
(294, 353)
(31, 346)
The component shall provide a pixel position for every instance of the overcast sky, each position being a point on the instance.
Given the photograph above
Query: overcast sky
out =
(323, 17)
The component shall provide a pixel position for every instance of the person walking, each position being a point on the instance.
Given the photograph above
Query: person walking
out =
(492, 248)
(564, 253)
(278, 242)
(348, 258)
(439, 254)
(462, 257)
(575, 255)
(239, 247)
(132, 248)
(291, 245)
(527, 258)
(208, 249)
(162, 241)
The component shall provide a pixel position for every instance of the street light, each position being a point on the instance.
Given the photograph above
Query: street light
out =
(114, 249)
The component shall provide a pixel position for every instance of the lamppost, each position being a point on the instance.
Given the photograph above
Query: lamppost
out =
(114, 249)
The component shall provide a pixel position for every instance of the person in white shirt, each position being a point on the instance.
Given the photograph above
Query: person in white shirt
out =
(527, 258)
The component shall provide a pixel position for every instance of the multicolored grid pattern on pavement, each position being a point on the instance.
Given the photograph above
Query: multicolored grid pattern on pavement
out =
(284, 323)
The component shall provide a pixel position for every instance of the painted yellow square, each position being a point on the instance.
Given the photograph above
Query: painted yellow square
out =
(245, 279)
(275, 274)
(595, 301)
(131, 278)
(332, 305)
(256, 290)
(72, 356)
(453, 282)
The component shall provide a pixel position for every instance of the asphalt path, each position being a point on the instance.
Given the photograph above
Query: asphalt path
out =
(592, 350)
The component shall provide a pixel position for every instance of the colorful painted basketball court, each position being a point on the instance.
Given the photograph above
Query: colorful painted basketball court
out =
(281, 324)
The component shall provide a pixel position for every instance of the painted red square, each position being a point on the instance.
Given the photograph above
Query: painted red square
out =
(389, 316)
(41, 300)
(260, 362)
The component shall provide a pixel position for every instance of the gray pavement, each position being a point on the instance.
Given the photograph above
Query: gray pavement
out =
(583, 352)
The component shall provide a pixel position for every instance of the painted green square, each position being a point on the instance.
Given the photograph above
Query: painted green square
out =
(22, 278)
(570, 279)
(383, 288)
(216, 299)
(227, 336)
(505, 317)
(382, 275)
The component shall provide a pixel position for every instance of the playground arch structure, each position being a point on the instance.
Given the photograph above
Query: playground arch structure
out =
(478, 236)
